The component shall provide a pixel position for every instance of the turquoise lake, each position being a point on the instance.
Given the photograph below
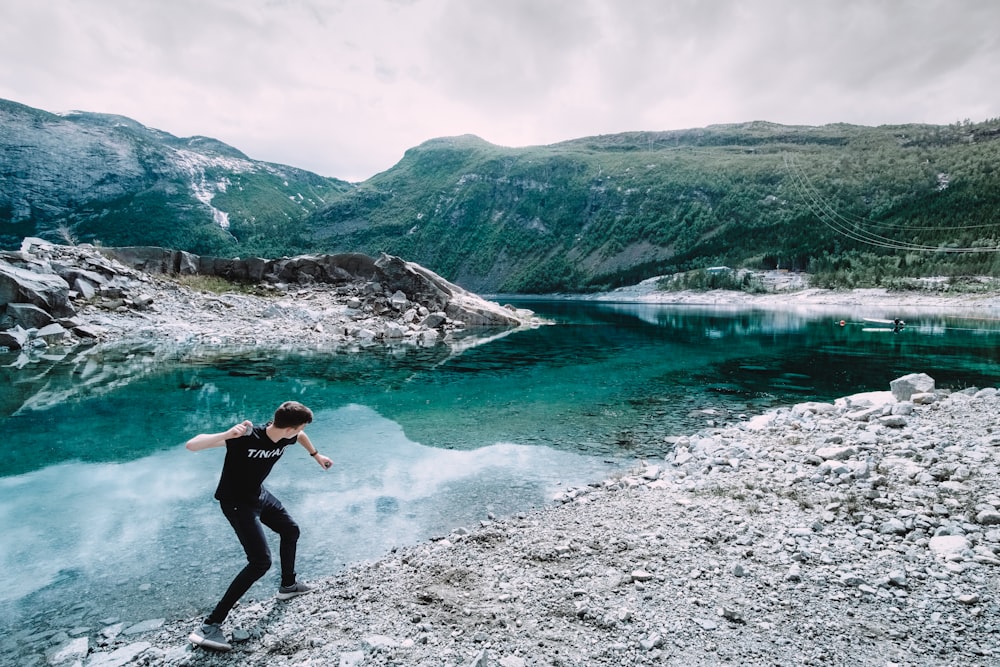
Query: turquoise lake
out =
(105, 514)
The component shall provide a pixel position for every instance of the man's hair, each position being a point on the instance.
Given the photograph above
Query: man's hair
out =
(291, 414)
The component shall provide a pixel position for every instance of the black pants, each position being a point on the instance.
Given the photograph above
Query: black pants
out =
(246, 520)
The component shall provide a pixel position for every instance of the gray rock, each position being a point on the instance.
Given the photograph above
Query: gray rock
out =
(28, 315)
(434, 320)
(905, 387)
(356, 659)
(948, 545)
(379, 642)
(45, 290)
(73, 651)
(52, 334)
(119, 657)
(398, 300)
(481, 660)
(144, 626)
(13, 339)
(85, 288)
(990, 517)
(836, 453)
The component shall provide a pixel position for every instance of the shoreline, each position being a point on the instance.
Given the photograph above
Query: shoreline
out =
(860, 532)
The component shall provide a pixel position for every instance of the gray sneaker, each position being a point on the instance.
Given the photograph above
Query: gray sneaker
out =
(298, 588)
(209, 635)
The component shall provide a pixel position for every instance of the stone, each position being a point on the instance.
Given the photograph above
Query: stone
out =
(13, 339)
(73, 651)
(893, 421)
(706, 624)
(379, 642)
(398, 300)
(28, 315)
(948, 545)
(481, 660)
(144, 626)
(434, 320)
(45, 290)
(897, 578)
(893, 527)
(88, 331)
(119, 657)
(836, 453)
(990, 517)
(84, 288)
(731, 615)
(393, 330)
(357, 658)
(143, 301)
(903, 388)
(52, 334)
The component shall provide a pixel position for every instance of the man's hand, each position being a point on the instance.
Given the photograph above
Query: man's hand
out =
(325, 462)
(241, 429)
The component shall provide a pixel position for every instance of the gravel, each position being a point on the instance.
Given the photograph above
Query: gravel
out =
(860, 532)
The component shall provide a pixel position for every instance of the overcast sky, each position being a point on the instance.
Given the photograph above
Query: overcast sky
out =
(344, 87)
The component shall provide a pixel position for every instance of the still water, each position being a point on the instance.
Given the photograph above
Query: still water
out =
(105, 515)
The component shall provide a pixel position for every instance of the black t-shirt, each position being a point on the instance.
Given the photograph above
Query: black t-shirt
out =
(249, 459)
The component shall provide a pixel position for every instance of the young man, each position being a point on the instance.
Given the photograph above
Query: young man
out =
(251, 452)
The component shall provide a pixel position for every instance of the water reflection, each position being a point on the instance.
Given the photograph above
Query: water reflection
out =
(143, 537)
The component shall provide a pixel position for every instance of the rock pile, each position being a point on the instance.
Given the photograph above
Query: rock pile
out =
(64, 295)
(860, 532)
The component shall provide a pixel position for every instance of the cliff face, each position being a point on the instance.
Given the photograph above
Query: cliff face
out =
(97, 177)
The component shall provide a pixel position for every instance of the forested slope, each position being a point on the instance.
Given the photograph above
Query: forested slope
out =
(861, 203)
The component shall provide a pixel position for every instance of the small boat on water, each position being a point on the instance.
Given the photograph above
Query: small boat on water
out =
(895, 324)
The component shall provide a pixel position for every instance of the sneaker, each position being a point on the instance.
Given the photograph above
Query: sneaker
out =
(209, 635)
(298, 588)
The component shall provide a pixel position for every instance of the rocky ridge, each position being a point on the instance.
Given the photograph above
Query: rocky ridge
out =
(860, 532)
(58, 296)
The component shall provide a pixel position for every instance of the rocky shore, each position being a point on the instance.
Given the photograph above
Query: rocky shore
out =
(784, 290)
(56, 296)
(860, 532)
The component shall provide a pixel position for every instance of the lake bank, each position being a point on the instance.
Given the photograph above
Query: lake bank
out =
(860, 532)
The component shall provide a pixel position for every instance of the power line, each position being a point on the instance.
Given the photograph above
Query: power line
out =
(851, 229)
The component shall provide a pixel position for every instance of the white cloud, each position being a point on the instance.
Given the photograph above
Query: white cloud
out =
(345, 87)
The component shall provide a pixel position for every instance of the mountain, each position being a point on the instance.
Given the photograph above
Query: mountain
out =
(108, 179)
(852, 205)
(598, 212)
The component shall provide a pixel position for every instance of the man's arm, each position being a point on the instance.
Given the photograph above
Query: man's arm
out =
(313, 452)
(208, 440)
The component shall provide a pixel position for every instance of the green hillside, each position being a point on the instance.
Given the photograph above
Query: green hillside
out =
(849, 203)
(101, 178)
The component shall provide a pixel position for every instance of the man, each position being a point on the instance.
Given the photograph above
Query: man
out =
(251, 452)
